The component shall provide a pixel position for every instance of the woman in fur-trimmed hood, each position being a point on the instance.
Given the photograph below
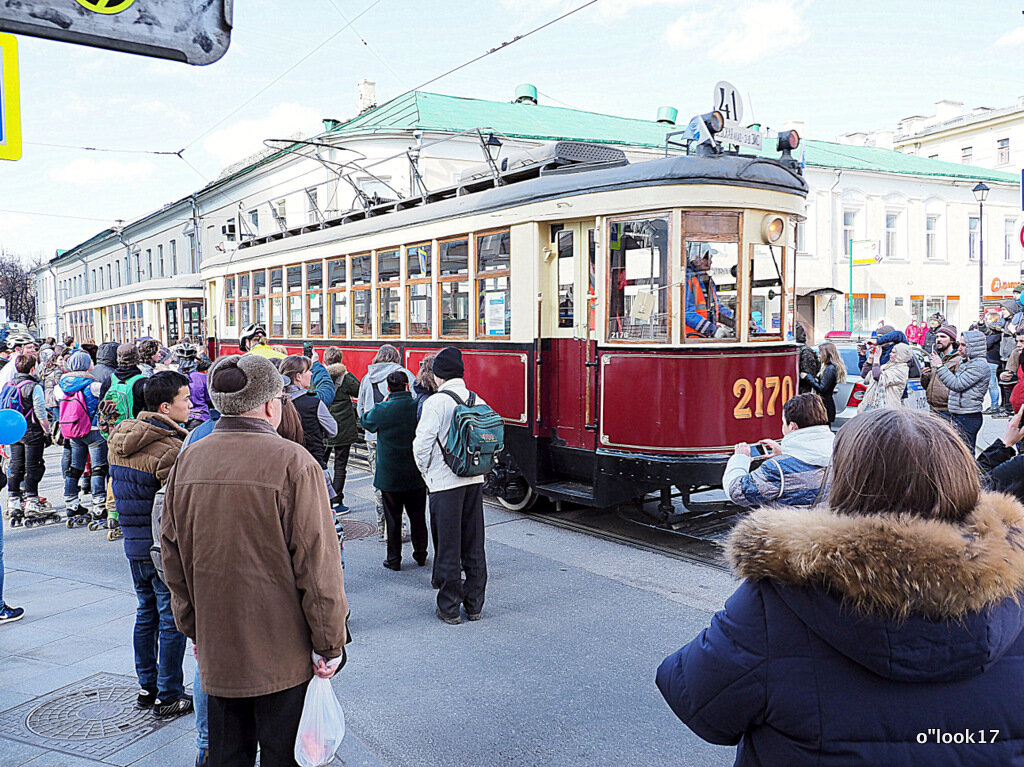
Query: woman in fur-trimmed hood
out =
(869, 631)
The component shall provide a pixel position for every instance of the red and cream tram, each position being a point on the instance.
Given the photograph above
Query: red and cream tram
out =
(565, 287)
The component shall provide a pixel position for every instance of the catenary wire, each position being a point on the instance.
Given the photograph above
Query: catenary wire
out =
(280, 77)
(365, 43)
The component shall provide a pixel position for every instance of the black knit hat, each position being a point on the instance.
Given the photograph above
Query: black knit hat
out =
(448, 364)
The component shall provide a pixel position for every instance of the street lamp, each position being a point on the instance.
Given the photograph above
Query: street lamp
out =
(980, 193)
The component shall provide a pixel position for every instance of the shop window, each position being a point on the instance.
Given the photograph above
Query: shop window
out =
(638, 279)
(767, 265)
(171, 308)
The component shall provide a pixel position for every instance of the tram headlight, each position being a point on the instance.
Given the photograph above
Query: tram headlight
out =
(772, 229)
(714, 121)
(788, 141)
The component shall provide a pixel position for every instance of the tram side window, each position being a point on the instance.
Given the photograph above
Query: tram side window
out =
(277, 303)
(259, 300)
(638, 279)
(767, 264)
(315, 298)
(419, 291)
(362, 297)
(454, 287)
(566, 278)
(337, 298)
(295, 301)
(493, 261)
(389, 293)
(244, 318)
(229, 303)
(709, 290)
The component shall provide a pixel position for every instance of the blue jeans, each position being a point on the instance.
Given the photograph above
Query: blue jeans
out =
(201, 702)
(993, 384)
(154, 628)
(968, 425)
(82, 448)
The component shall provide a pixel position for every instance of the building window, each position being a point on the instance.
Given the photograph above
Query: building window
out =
(160, 259)
(280, 213)
(174, 257)
(313, 209)
(801, 237)
(891, 220)
(849, 229)
(1009, 239)
(931, 233)
(254, 221)
(973, 231)
(967, 155)
(1003, 151)
(149, 263)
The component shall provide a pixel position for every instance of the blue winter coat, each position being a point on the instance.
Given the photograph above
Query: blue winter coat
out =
(141, 453)
(321, 384)
(861, 640)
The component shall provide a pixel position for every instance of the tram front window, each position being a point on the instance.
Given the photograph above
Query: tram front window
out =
(638, 279)
(766, 271)
(710, 289)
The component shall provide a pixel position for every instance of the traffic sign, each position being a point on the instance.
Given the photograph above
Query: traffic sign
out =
(10, 108)
(1020, 235)
(191, 31)
(727, 101)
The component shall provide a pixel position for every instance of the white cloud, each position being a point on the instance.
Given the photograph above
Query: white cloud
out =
(246, 136)
(740, 32)
(1011, 38)
(86, 171)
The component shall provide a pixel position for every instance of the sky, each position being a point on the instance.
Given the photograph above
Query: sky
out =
(837, 65)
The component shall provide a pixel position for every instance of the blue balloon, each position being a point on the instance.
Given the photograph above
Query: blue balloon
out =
(12, 426)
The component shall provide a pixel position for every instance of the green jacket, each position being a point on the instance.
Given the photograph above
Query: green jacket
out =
(343, 410)
(394, 421)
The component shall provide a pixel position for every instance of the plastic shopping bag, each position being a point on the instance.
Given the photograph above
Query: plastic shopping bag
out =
(322, 726)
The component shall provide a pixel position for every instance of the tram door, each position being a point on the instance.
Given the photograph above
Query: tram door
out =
(568, 347)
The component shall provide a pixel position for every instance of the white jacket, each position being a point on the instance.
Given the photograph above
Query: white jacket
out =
(435, 421)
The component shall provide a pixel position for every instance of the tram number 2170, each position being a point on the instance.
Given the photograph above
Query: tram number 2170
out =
(767, 394)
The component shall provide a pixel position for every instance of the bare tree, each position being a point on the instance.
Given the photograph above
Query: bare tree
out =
(17, 287)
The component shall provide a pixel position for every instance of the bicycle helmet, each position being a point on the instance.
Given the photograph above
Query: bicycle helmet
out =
(250, 334)
(19, 338)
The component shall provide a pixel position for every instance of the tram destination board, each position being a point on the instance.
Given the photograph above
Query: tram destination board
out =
(190, 31)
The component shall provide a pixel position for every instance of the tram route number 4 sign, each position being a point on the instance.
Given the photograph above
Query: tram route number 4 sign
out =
(10, 117)
(191, 31)
(728, 102)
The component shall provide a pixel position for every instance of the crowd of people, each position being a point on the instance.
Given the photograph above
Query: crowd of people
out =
(151, 440)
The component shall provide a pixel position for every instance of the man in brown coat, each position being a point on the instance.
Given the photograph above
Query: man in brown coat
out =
(936, 391)
(252, 561)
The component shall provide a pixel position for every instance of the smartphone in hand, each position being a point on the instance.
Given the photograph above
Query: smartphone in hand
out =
(756, 450)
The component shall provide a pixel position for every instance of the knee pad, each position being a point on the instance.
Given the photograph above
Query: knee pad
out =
(99, 471)
(73, 473)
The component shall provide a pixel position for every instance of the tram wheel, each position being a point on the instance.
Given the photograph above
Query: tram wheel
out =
(522, 502)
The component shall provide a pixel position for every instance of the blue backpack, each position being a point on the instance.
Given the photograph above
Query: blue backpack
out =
(13, 398)
(476, 436)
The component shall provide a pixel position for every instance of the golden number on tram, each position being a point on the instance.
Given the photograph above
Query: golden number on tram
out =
(760, 390)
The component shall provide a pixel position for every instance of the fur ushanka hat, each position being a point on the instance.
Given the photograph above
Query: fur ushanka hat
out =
(241, 383)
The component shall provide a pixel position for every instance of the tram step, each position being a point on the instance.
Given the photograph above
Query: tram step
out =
(576, 492)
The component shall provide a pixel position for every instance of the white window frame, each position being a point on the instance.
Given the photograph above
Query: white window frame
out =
(973, 238)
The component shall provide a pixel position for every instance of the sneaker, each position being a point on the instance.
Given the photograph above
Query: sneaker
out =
(179, 707)
(341, 509)
(454, 620)
(202, 758)
(146, 698)
(10, 614)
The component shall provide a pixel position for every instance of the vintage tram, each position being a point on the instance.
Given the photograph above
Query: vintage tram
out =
(564, 283)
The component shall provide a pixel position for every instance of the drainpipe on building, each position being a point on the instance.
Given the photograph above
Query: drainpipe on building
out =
(833, 202)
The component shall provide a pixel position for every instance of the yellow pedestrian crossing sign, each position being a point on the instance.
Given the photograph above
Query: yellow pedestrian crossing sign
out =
(10, 108)
(106, 6)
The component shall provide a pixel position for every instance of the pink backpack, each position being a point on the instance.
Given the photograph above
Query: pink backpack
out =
(73, 416)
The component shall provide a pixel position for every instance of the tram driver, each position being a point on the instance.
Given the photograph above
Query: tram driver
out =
(706, 315)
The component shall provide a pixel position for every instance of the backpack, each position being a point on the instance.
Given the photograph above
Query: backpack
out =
(12, 397)
(157, 516)
(117, 405)
(476, 436)
(73, 416)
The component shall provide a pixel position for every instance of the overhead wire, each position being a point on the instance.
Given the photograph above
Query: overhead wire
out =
(280, 77)
(365, 43)
(103, 149)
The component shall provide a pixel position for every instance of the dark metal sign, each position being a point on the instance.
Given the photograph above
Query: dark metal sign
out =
(191, 31)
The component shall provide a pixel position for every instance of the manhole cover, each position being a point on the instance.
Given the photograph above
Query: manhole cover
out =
(95, 718)
(356, 529)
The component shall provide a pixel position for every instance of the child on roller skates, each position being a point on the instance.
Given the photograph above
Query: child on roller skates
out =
(78, 397)
(24, 394)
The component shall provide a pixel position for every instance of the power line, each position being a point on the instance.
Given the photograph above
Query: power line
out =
(277, 79)
(363, 41)
(100, 149)
(53, 215)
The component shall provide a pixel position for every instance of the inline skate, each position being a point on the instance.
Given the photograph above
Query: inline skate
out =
(36, 513)
(113, 528)
(76, 515)
(98, 520)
